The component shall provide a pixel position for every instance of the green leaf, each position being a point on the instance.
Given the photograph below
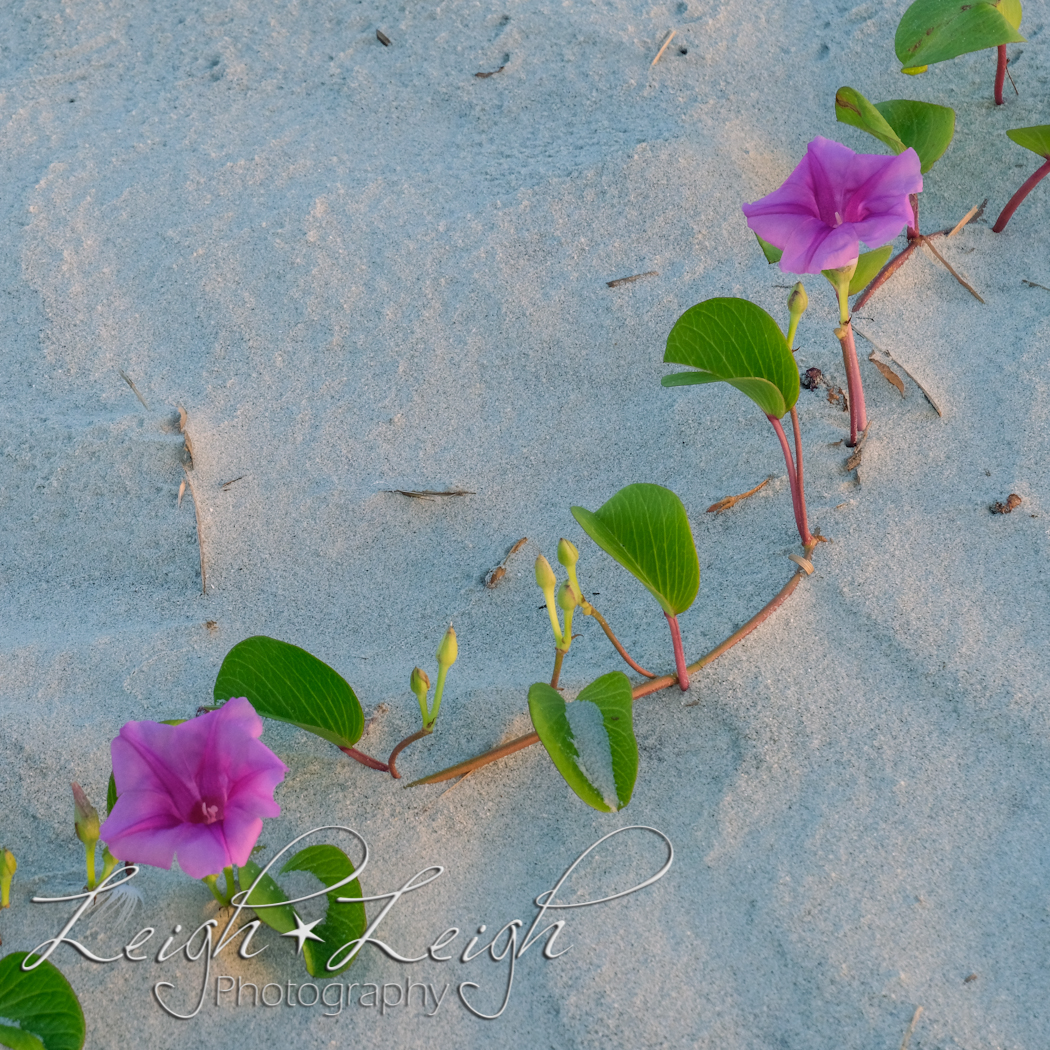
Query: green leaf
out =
(851, 107)
(868, 265)
(284, 682)
(1037, 138)
(586, 758)
(42, 1004)
(342, 923)
(111, 795)
(16, 1039)
(265, 892)
(645, 528)
(937, 30)
(738, 343)
(772, 253)
(926, 128)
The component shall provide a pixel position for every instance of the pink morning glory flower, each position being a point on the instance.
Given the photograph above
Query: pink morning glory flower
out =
(199, 790)
(832, 201)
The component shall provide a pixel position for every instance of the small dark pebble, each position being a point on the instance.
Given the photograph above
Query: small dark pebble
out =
(683, 51)
(812, 378)
(382, 38)
(1013, 501)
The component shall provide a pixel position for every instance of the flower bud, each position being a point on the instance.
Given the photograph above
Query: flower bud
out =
(798, 301)
(85, 817)
(566, 599)
(545, 577)
(448, 650)
(419, 683)
(7, 873)
(568, 555)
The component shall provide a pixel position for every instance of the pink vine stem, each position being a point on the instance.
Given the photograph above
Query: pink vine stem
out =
(1026, 187)
(645, 689)
(858, 416)
(1000, 73)
(679, 652)
(365, 760)
(795, 479)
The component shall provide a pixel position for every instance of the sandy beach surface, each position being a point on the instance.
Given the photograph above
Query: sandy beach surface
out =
(360, 268)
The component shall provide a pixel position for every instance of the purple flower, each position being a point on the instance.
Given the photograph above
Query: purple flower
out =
(834, 200)
(199, 789)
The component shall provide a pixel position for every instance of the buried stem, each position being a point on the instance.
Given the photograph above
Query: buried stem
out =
(679, 652)
(653, 686)
(1000, 73)
(365, 760)
(391, 761)
(858, 418)
(1026, 187)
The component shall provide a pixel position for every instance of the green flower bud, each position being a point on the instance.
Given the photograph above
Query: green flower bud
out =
(448, 650)
(798, 301)
(419, 683)
(85, 817)
(566, 599)
(7, 873)
(568, 555)
(545, 577)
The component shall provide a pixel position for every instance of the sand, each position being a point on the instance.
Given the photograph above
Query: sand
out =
(362, 268)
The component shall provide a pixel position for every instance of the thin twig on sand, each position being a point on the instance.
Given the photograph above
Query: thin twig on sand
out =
(660, 53)
(200, 536)
(731, 501)
(134, 389)
(911, 1027)
(925, 393)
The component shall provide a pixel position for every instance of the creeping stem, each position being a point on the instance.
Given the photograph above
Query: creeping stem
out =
(392, 760)
(1026, 187)
(914, 239)
(653, 686)
(887, 272)
(1000, 73)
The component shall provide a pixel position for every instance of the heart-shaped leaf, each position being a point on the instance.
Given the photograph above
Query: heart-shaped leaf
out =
(342, 923)
(736, 342)
(1037, 138)
(42, 1005)
(868, 265)
(645, 528)
(851, 107)
(937, 30)
(591, 739)
(926, 128)
(900, 123)
(284, 682)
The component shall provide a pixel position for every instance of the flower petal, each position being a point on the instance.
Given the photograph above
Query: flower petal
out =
(201, 849)
(170, 777)
(815, 246)
(833, 200)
